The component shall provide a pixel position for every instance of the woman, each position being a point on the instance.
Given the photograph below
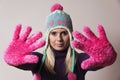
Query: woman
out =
(60, 60)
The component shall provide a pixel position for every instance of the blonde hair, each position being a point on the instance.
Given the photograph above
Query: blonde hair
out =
(50, 60)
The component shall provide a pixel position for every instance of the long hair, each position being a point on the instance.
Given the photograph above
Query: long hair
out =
(50, 60)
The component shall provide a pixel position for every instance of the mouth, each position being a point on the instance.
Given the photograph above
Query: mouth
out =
(60, 45)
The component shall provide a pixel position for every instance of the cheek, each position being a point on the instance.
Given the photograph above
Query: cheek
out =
(51, 40)
(66, 39)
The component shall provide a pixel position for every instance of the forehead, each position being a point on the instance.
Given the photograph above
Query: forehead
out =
(58, 30)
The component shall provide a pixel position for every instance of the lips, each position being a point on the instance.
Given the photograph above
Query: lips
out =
(59, 45)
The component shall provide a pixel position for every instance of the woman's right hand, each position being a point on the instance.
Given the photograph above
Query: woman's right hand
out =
(20, 48)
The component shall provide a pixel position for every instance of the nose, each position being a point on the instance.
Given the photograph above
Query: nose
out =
(59, 37)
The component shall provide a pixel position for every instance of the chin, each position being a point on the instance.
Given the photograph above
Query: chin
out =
(60, 48)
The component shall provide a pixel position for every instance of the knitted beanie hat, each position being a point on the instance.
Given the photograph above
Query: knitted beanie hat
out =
(58, 19)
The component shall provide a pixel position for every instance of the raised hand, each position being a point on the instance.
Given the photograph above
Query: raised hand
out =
(99, 48)
(20, 48)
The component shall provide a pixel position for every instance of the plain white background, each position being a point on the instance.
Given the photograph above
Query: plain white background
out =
(82, 12)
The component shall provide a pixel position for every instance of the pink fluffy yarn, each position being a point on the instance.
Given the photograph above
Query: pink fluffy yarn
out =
(37, 77)
(71, 76)
(56, 7)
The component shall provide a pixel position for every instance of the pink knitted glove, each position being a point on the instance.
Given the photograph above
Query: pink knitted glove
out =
(20, 48)
(99, 48)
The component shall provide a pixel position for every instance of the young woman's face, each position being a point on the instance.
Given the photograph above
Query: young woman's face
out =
(59, 39)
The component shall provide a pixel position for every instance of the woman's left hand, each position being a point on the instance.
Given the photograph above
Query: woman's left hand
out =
(99, 48)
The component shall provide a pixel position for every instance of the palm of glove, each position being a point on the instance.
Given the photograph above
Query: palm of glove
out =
(20, 48)
(99, 49)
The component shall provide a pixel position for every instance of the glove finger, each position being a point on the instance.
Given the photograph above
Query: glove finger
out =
(17, 32)
(79, 37)
(101, 31)
(26, 33)
(34, 38)
(77, 45)
(89, 33)
(36, 45)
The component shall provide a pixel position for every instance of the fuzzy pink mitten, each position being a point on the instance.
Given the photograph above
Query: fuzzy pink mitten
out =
(20, 48)
(99, 48)
(71, 76)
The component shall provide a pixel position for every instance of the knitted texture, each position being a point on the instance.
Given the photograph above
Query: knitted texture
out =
(20, 48)
(58, 19)
(56, 7)
(99, 48)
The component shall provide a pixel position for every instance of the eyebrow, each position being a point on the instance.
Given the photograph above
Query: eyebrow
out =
(60, 31)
